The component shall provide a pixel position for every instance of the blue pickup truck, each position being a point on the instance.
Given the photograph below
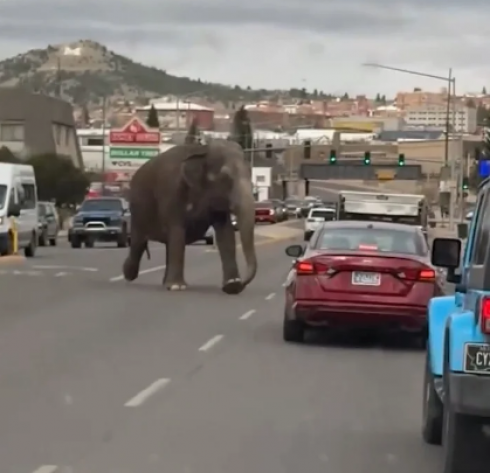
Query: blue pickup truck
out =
(457, 373)
(105, 219)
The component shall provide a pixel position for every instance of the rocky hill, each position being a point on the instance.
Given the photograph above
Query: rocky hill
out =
(85, 71)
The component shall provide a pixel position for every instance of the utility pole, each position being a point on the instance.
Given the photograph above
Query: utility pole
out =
(103, 142)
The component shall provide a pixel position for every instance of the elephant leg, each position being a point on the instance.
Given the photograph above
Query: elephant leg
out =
(225, 240)
(131, 264)
(174, 271)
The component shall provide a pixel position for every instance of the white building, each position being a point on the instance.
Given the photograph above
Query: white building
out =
(435, 116)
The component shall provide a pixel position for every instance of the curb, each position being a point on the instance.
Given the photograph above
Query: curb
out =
(12, 259)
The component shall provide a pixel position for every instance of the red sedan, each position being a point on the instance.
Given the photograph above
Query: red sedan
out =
(266, 212)
(360, 275)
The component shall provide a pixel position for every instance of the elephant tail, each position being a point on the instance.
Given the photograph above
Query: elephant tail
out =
(147, 250)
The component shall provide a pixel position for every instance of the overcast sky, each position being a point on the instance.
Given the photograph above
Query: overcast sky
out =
(272, 43)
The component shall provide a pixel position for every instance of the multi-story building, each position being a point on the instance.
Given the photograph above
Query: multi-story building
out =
(435, 116)
(420, 98)
(179, 114)
(37, 124)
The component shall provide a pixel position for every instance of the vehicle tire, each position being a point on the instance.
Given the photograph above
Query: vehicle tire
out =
(7, 249)
(30, 250)
(53, 241)
(75, 242)
(89, 243)
(122, 241)
(209, 240)
(43, 238)
(293, 331)
(465, 445)
(433, 409)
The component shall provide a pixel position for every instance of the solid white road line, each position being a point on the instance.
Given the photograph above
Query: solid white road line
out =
(247, 315)
(145, 271)
(270, 296)
(46, 469)
(211, 343)
(144, 395)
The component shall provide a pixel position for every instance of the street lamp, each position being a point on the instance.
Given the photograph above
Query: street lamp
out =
(450, 80)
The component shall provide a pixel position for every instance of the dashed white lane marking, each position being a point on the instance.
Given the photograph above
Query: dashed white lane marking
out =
(211, 343)
(144, 395)
(145, 271)
(46, 469)
(60, 274)
(55, 266)
(247, 315)
(270, 296)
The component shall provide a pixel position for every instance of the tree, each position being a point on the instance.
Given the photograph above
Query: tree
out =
(378, 98)
(6, 156)
(241, 131)
(85, 115)
(58, 179)
(484, 91)
(193, 133)
(152, 120)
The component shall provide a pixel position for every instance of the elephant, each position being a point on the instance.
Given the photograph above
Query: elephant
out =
(176, 196)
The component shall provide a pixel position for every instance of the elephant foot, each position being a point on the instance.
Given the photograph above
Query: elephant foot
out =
(176, 286)
(233, 286)
(130, 270)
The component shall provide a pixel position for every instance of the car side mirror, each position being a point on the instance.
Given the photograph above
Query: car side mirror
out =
(294, 251)
(14, 210)
(446, 253)
(463, 230)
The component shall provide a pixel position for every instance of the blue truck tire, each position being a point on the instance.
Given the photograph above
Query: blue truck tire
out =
(433, 409)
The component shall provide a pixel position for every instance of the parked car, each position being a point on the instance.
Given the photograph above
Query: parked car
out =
(265, 212)
(358, 275)
(101, 219)
(49, 225)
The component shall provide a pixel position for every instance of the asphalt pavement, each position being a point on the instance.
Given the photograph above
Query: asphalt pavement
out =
(103, 376)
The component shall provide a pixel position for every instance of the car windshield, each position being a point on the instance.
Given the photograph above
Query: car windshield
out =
(262, 205)
(41, 210)
(3, 195)
(103, 205)
(375, 239)
(325, 214)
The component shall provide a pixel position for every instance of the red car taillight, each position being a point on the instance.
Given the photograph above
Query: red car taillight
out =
(304, 268)
(485, 315)
(426, 275)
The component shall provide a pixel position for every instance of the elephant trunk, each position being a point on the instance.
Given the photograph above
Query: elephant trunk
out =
(245, 216)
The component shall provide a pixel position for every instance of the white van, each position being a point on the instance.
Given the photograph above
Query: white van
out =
(18, 198)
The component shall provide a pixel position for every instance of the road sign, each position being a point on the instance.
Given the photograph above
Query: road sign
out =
(135, 132)
(385, 174)
(133, 153)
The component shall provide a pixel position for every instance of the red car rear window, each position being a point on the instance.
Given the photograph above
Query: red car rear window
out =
(370, 239)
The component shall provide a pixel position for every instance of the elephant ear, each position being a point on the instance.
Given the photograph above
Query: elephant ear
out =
(194, 166)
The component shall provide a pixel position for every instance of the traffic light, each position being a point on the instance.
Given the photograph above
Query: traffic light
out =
(367, 157)
(333, 156)
(465, 183)
(401, 159)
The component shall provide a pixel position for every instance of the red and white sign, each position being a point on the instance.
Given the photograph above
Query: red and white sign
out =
(135, 132)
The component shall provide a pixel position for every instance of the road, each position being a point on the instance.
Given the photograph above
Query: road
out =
(102, 376)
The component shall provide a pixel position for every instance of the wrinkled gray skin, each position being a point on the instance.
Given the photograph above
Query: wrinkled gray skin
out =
(176, 196)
